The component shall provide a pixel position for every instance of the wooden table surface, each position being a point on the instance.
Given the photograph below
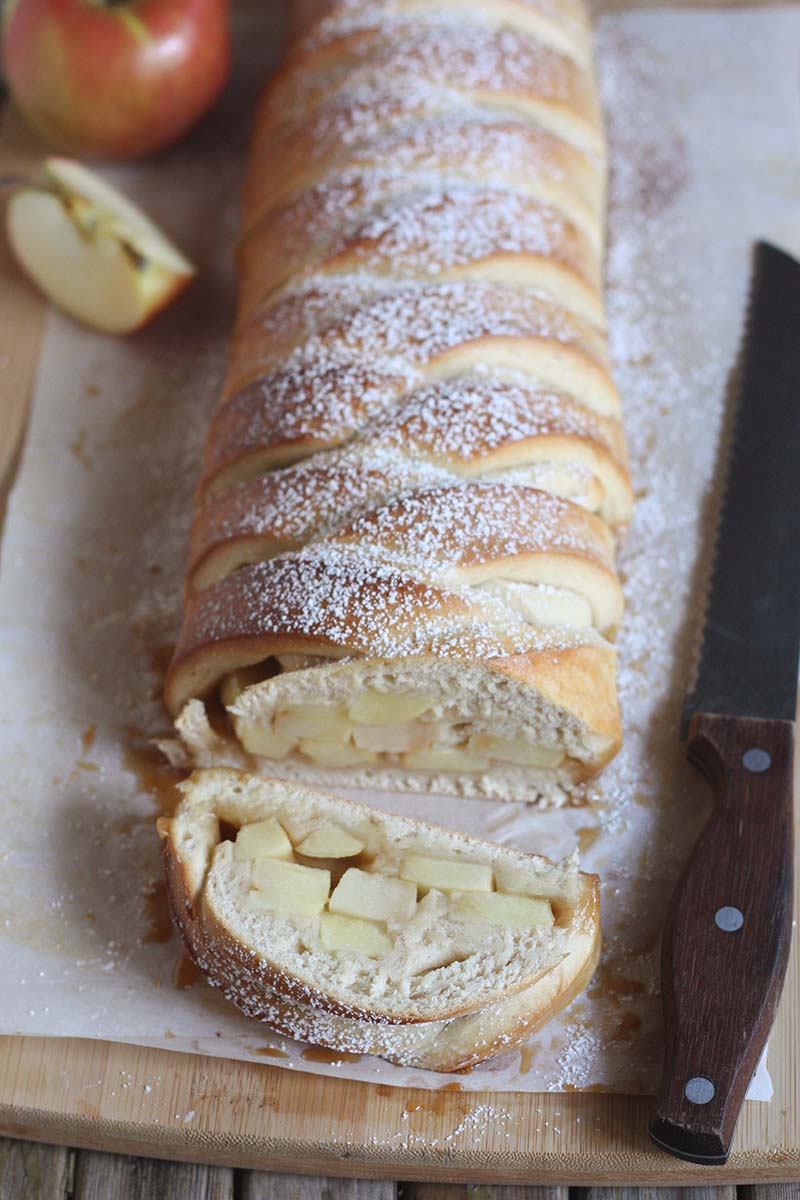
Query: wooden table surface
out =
(30, 1171)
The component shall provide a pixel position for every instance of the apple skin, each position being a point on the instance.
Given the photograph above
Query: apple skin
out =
(114, 81)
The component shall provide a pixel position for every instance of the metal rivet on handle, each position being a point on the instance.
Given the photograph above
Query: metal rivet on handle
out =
(728, 918)
(756, 760)
(699, 1090)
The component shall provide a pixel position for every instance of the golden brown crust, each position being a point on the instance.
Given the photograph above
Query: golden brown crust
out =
(497, 67)
(501, 236)
(338, 601)
(467, 430)
(565, 24)
(323, 359)
(567, 21)
(334, 160)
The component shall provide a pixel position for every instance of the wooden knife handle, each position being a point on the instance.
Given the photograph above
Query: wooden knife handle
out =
(726, 941)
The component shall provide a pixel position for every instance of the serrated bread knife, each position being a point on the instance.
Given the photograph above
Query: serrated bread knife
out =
(726, 940)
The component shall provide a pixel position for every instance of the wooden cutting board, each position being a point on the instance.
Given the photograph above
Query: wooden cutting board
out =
(93, 1094)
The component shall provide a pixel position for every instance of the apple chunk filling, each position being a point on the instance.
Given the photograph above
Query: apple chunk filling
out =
(339, 933)
(365, 908)
(401, 729)
(263, 839)
(286, 887)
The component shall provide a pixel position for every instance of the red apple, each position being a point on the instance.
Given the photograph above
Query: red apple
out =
(114, 80)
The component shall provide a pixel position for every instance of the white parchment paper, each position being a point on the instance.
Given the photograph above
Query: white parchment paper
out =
(704, 114)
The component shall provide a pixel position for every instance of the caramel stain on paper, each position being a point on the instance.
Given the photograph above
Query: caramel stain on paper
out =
(159, 657)
(153, 773)
(614, 987)
(78, 448)
(587, 836)
(321, 1054)
(186, 973)
(526, 1057)
(157, 915)
(630, 1023)
(649, 943)
(270, 1052)
(87, 738)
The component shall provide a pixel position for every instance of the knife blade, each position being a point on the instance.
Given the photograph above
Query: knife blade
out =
(727, 935)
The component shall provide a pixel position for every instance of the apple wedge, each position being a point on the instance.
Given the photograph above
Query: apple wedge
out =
(91, 251)
(329, 840)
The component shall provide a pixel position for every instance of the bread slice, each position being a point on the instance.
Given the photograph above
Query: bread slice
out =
(369, 932)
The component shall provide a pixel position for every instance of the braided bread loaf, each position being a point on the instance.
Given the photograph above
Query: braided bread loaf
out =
(401, 566)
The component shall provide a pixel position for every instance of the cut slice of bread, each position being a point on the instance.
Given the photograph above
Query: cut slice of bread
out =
(369, 932)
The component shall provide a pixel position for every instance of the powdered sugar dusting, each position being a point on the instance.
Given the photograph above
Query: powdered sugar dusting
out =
(434, 231)
(352, 597)
(329, 356)
(426, 439)
(353, 15)
(93, 547)
(466, 417)
(469, 58)
(447, 526)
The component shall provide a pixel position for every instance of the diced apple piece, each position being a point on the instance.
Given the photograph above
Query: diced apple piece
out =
(335, 754)
(542, 604)
(385, 708)
(376, 897)
(330, 841)
(317, 722)
(352, 933)
(262, 740)
(511, 912)
(394, 739)
(297, 662)
(288, 888)
(516, 750)
(262, 839)
(91, 251)
(445, 758)
(446, 874)
(234, 684)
